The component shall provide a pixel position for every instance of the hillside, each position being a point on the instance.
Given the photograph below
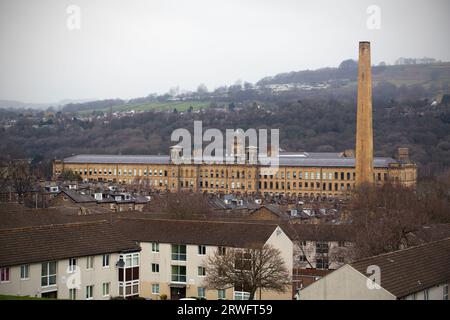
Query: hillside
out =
(427, 75)
(429, 81)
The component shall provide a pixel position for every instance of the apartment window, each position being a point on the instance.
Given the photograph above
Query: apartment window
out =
(4, 274)
(241, 295)
(322, 263)
(201, 292)
(48, 274)
(155, 267)
(24, 271)
(73, 294)
(105, 289)
(321, 247)
(222, 251)
(129, 275)
(202, 250)
(89, 263)
(341, 244)
(155, 288)
(179, 273)
(445, 292)
(129, 288)
(89, 292)
(105, 260)
(155, 247)
(131, 260)
(221, 294)
(72, 264)
(201, 271)
(179, 252)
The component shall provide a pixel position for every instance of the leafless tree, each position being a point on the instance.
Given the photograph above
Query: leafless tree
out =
(434, 195)
(3, 174)
(250, 269)
(181, 204)
(313, 243)
(19, 178)
(382, 217)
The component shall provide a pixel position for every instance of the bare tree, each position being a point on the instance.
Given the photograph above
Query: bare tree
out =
(3, 174)
(257, 267)
(19, 178)
(313, 243)
(181, 205)
(383, 217)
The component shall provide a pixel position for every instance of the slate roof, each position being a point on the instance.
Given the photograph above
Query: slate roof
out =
(216, 233)
(116, 159)
(303, 159)
(411, 270)
(274, 209)
(61, 241)
(319, 232)
(78, 197)
(327, 160)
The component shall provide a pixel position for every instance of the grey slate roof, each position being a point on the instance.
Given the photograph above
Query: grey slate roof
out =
(411, 270)
(303, 159)
(77, 197)
(61, 241)
(198, 232)
(326, 159)
(117, 159)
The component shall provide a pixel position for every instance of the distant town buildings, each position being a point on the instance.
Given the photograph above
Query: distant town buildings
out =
(424, 60)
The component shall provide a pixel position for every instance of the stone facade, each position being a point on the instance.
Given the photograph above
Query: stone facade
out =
(331, 180)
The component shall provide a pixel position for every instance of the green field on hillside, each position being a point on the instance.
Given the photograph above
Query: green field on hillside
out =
(160, 106)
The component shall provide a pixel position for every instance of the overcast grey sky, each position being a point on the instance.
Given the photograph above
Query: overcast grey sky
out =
(132, 48)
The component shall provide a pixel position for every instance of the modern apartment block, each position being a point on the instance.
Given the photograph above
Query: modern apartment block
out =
(79, 261)
(128, 257)
(174, 253)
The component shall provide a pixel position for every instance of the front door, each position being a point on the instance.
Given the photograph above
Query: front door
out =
(177, 293)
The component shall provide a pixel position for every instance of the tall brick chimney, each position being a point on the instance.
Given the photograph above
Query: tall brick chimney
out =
(364, 133)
